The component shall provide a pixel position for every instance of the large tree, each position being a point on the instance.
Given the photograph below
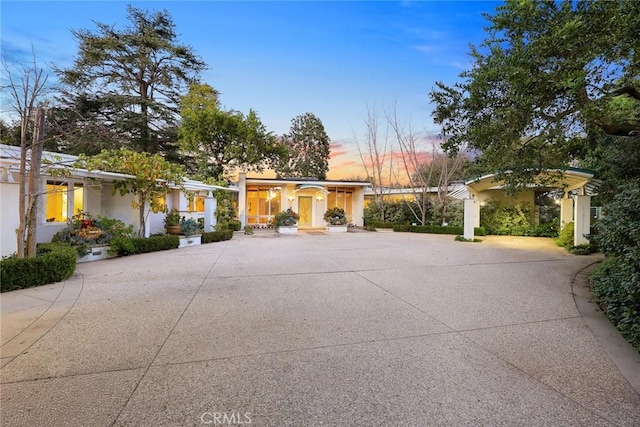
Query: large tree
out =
(307, 146)
(222, 141)
(550, 79)
(125, 84)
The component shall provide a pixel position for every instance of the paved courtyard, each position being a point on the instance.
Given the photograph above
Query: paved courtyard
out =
(365, 329)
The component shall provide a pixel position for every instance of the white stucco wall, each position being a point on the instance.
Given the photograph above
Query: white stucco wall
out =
(9, 218)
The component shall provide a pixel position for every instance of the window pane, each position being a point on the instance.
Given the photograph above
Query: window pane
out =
(199, 204)
(78, 198)
(56, 203)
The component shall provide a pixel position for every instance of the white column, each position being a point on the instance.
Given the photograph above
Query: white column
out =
(566, 212)
(210, 204)
(582, 221)
(242, 199)
(469, 210)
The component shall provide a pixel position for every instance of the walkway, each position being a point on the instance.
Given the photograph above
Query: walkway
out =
(314, 329)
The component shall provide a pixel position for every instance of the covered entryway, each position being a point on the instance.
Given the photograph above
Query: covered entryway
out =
(578, 186)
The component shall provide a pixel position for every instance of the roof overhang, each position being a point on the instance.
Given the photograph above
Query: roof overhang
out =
(566, 179)
(322, 183)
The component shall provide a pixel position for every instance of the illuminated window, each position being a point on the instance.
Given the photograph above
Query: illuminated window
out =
(78, 198)
(56, 202)
(60, 197)
(199, 204)
(340, 197)
(262, 204)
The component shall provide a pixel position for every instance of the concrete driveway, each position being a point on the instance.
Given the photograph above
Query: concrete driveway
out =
(314, 329)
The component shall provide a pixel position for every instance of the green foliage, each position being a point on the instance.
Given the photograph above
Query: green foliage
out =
(248, 230)
(616, 282)
(513, 220)
(395, 212)
(335, 216)
(140, 245)
(152, 177)
(125, 84)
(459, 238)
(547, 74)
(189, 227)
(172, 217)
(53, 263)
(217, 236)
(223, 141)
(235, 225)
(615, 285)
(286, 218)
(565, 238)
(583, 249)
(306, 149)
(83, 231)
(225, 210)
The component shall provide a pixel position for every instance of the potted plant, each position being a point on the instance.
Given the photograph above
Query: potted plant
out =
(189, 227)
(172, 222)
(336, 220)
(286, 221)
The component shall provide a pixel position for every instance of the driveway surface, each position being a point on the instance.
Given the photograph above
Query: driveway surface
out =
(362, 328)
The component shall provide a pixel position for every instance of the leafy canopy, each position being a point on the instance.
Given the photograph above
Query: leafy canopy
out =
(222, 141)
(151, 177)
(307, 149)
(125, 84)
(549, 80)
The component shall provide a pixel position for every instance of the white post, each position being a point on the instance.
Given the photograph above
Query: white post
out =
(566, 211)
(242, 199)
(209, 212)
(469, 210)
(582, 224)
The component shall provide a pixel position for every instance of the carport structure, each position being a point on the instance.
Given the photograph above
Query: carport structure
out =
(578, 186)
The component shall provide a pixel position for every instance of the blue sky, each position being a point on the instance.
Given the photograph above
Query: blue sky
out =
(282, 59)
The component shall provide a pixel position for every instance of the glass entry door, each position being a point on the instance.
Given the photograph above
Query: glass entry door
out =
(305, 204)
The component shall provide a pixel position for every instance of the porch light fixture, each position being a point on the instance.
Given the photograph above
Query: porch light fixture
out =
(319, 198)
(291, 198)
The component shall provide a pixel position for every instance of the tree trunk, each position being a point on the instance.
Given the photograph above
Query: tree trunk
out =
(142, 199)
(34, 184)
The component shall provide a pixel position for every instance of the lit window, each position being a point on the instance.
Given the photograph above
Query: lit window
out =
(56, 202)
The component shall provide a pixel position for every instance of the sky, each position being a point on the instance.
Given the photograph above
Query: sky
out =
(335, 59)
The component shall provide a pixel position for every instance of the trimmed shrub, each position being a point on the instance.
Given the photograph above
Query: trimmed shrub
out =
(565, 238)
(53, 263)
(217, 236)
(140, 245)
(400, 227)
(235, 225)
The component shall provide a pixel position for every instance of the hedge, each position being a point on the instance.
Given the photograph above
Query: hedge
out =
(53, 263)
(379, 224)
(437, 229)
(216, 236)
(141, 245)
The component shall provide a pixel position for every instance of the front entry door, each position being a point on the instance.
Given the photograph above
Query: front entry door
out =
(305, 204)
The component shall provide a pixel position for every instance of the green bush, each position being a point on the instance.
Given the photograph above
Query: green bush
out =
(81, 237)
(616, 282)
(513, 220)
(140, 245)
(53, 263)
(235, 225)
(565, 238)
(400, 227)
(217, 236)
(583, 249)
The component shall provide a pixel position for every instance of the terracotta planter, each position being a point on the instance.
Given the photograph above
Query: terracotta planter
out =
(173, 229)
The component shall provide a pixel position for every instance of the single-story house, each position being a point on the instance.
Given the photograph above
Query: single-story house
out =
(260, 199)
(62, 195)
